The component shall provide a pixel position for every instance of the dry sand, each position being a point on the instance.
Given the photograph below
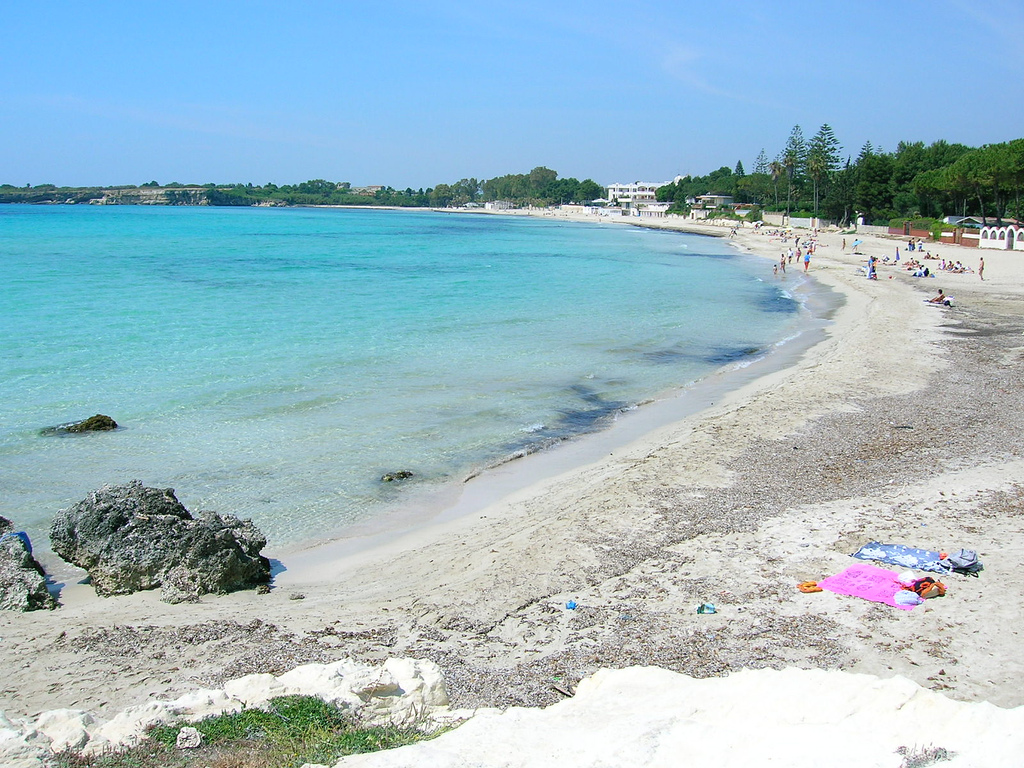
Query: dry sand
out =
(903, 426)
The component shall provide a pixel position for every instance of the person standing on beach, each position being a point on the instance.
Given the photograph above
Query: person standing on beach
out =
(807, 259)
(981, 267)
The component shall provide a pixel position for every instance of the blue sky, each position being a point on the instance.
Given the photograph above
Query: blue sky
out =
(413, 94)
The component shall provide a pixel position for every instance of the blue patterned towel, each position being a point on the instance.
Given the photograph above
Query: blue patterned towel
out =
(899, 554)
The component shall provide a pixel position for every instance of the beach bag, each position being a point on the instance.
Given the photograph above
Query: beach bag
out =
(964, 561)
(928, 587)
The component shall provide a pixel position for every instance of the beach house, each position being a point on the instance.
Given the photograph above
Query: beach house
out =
(638, 199)
(637, 192)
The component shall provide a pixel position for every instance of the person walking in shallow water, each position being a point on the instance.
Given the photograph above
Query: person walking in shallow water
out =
(807, 259)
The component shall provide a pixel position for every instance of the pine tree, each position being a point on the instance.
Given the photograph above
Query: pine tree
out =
(826, 146)
(822, 159)
(739, 169)
(794, 159)
(795, 152)
(761, 164)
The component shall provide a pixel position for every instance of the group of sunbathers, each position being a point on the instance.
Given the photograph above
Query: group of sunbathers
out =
(956, 268)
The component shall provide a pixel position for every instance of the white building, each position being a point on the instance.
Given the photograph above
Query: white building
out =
(1003, 237)
(714, 201)
(637, 192)
(651, 210)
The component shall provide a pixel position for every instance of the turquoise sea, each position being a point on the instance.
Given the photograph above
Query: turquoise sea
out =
(274, 363)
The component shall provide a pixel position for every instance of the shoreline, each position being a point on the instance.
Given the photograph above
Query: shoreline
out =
(333, 510)
(774, 484)
(417, 514)
(421, 508)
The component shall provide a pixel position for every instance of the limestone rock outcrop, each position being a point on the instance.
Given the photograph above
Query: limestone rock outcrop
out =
(130, 538)
(404, 692)
(22, 579)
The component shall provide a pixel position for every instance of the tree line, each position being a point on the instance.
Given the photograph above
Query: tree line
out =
(810, 177)
(539, 187)
(913, 181)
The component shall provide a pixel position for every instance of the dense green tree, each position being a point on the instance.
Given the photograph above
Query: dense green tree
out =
(909, 161)
(441, 196)
(754, 188)
(840, 198)
(317, 187)
(937, 194)
(590, 190)
(873, 195)
(541, 177)
(1015, 174)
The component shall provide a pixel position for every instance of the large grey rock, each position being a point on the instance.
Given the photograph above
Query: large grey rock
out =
(22, 579)
(130, 538)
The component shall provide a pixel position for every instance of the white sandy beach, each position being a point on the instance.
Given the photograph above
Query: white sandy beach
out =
(902, 426)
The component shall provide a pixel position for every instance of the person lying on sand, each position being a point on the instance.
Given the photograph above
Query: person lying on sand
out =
(941, 298)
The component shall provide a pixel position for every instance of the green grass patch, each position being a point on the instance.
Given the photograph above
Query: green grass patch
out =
(292, 730)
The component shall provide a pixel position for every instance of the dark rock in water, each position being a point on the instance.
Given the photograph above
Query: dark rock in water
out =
(22, 579)
(130, 538)
(97, 423)
(402, 474)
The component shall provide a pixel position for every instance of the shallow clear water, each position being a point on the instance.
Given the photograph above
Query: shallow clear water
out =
(274, 363)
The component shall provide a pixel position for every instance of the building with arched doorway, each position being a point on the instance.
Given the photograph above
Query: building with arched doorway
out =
(1004, 237)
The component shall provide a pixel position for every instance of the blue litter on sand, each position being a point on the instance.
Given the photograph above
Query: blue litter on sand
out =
(571, 605)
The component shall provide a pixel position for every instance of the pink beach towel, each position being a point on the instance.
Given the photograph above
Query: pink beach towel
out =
(868, 581)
